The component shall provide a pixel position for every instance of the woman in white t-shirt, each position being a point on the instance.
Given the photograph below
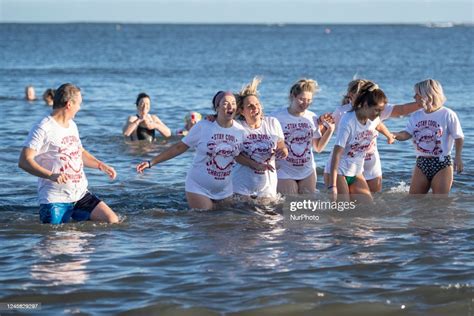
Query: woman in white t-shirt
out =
(217, 144)
(434, 130)
(372, 164)
(263, 142)
(297, 173)
(355, 138)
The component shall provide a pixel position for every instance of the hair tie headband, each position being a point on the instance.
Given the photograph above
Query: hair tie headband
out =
(219, 96)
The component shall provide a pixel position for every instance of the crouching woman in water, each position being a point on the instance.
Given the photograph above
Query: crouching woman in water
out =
(433, 129)
(356, 136)
(217, 144)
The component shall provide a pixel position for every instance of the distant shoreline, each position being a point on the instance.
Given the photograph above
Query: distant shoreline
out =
(440, 24)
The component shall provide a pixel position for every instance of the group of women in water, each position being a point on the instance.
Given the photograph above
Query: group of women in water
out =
(274, 153)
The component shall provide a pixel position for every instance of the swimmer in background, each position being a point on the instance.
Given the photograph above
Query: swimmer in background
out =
(30, 94)
(48, 96)
(190, 120)
(142, 126)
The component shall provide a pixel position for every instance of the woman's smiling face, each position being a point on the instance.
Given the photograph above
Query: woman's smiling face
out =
(143, 107)
(251, 108)
(227, 107)
(301, 102)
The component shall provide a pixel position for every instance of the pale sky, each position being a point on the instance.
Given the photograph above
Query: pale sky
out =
(238, 11)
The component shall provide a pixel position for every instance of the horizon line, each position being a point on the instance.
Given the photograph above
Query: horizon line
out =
(433, 23)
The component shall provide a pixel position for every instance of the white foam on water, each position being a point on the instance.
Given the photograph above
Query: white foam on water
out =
(457, 286)
(402, 187)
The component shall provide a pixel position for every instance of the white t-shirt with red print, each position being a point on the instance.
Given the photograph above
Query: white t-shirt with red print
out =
(216, 149)
(337, 114)
(340, 111)
(434, 133)
(356, 139)
(372, 165)
(299, 132)
(259, 145)
(59, 150)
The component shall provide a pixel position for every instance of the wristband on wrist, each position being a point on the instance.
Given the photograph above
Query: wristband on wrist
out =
(331, 186)
(149, 164)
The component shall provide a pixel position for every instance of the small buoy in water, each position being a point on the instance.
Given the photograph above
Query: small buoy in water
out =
(403, 306)
(327, 30)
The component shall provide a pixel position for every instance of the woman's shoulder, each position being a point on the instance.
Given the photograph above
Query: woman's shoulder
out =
(279, 113)
(448, 111)
(417, 113)
(196, 132)
(239, 124)
(348, 116)
(202, 124)
(270, 119)
(155, 117)
(44, 122)
(240, 127)
(448, 115)
(343, 108)
(309, 112)
(271, 125)
(310, 115)
(132, 118)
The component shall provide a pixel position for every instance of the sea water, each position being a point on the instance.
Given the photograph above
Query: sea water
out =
(407, 255)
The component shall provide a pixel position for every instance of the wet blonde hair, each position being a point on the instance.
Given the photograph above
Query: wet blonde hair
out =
(250, 89)
(353, 88)
(303, 85)
(431, 93)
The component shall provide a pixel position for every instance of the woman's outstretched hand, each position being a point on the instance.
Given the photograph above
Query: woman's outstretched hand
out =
(108, 170)
(143, 165)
